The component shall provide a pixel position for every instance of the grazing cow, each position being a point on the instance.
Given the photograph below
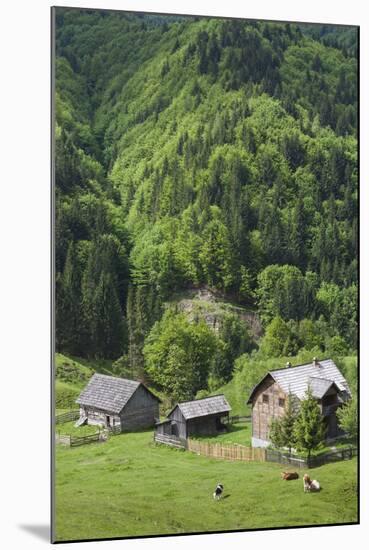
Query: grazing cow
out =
(289, 475)
(218, 492)
(312, 486)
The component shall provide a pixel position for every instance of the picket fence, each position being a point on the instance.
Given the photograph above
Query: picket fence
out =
(226, 452)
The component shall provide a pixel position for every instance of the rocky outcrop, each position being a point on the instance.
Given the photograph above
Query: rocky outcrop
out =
(203, 303)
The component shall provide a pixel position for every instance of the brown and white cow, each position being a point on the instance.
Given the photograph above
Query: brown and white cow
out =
(310, 485)
(289, 475)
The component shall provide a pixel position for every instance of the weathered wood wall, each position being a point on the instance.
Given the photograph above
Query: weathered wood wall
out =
(98, 417)
(263, 413)
(203, 425)
(179, 429)
(206, 425)
(141, 411)
(164, 428)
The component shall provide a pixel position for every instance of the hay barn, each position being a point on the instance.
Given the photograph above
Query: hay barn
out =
(117, 402)
(268, 398)
(199, 417)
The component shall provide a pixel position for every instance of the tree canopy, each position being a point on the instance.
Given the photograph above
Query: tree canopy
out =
(199, 152)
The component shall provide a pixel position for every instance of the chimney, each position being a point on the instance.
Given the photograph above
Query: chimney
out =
(288, 364)
(315, 362)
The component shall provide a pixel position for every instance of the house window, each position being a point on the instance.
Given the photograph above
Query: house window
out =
(281, 402)
(265, 398)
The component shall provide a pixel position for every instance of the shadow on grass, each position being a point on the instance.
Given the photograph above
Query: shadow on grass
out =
(231, 429)
(235, 428)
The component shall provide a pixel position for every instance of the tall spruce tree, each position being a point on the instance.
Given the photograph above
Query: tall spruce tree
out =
(109, 327)
(288, 423)
(348, 417)
(282, 430)
(275, 433)
(68, 299)
(309, 430)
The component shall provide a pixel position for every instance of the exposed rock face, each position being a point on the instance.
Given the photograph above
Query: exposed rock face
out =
(202, 303)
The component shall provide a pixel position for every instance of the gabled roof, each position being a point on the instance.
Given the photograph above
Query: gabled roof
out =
(320, 386)
(203, 407)
(296, 379)
(108, 393)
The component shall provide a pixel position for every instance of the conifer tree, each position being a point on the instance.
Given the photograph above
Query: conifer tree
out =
(348, 418)
(275, 433)
(69, 303)
(288, 423)
(309, 431)
(108, 324)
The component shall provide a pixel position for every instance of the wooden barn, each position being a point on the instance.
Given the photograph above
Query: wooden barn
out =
(199, 417)
(113, 402)
(268, 398)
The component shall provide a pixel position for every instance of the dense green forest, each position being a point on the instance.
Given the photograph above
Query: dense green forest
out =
(197, 153)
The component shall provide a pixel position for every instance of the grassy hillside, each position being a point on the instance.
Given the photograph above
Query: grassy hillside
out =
(71, 376)
(65, 395)
(129, 486)
(72, 371)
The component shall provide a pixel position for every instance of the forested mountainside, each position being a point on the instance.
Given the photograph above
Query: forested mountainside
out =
(200, 153)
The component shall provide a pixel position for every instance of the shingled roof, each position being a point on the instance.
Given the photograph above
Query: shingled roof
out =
(320, 386)
(320, 376)
(108, 393)
(204, 407)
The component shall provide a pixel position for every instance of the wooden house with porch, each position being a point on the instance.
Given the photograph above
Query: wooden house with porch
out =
(198, 417)
(117, 403)
(268, 398)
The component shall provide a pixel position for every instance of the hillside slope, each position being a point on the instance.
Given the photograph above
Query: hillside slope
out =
(203, 153)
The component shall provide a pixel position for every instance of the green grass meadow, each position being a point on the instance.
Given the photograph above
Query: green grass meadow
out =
(130, 486)
(69, 428)
(237, 434)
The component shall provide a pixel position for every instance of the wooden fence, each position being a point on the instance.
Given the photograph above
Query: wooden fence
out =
(235, 419)
(171, 440)
(347, 453)
(272, 455)
(226, 452)
(66, 417)
(62, 438)
(77, 441)
(259, 454)
(73, 441)
(334, 456)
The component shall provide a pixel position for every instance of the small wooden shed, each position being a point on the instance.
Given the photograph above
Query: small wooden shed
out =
(268, 398)
(199, 417)
(117, 402)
